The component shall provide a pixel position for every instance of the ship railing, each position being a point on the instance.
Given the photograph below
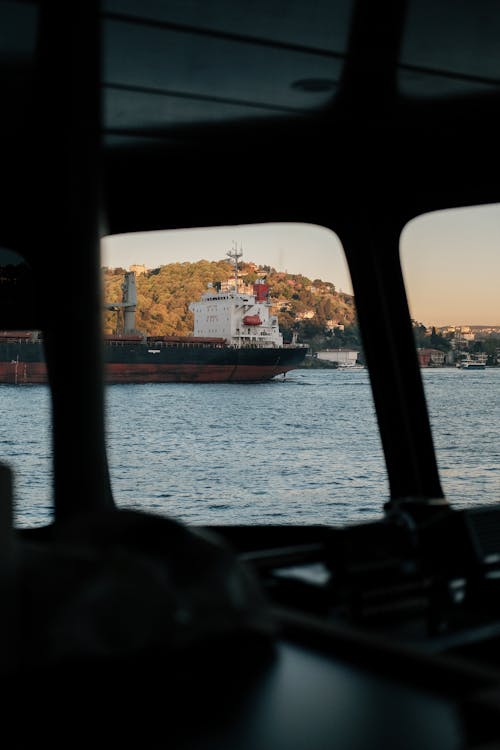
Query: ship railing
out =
(20, 337)
(254, 345)
(186, 344)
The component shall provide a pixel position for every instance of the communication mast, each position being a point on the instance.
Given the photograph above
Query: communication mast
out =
(235, 255)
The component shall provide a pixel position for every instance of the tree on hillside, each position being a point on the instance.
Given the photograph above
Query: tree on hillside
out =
(164, 294)
(438, 341)
(420, 335)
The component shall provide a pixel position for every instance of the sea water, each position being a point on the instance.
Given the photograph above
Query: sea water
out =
(304, 449)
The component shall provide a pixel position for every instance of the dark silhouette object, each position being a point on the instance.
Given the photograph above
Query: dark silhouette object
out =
(126, 610)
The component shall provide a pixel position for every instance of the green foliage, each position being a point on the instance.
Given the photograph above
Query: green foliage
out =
(420, 335)
(164, 295)
(490, 345)
(434, 340)
(438, 341)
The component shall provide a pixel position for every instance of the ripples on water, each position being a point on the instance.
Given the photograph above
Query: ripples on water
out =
(464, 409)
(301, 450)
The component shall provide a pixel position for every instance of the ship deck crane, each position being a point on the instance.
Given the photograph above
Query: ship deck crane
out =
(128, 303)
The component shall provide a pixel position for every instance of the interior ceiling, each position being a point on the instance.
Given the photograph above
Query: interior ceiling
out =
(177, 63)
(182, 71)
(169, 63)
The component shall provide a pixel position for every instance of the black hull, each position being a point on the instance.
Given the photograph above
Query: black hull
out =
(127, 362)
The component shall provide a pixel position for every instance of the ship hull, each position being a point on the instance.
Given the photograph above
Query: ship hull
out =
(143, 363)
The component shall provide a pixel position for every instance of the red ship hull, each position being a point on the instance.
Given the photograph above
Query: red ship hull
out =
(36, 373)
(189, 373)
(19, 373)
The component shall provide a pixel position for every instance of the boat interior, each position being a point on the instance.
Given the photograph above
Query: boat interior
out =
(119, 626)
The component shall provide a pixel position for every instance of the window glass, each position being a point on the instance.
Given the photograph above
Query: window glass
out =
(300, 446)
(451, 265)
(25, 439)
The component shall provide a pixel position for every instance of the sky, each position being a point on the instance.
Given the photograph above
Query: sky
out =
(308, 249)
(451, 266)
(450, 259)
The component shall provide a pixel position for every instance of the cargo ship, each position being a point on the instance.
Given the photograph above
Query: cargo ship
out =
(235, 338)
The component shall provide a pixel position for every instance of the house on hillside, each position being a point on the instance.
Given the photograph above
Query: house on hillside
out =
(138, 269)
(307, 315)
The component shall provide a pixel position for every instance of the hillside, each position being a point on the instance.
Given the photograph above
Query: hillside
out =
(309, 307)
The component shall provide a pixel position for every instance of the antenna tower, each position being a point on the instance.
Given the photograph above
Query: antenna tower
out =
(235, 255)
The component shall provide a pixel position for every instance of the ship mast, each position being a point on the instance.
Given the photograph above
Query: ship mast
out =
(235, 255)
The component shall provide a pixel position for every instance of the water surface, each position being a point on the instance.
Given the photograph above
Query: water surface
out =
(305, 449)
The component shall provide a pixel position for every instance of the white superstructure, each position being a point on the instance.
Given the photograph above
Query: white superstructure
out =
(241, 319)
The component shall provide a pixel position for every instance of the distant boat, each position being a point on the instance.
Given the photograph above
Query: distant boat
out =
(470, 363)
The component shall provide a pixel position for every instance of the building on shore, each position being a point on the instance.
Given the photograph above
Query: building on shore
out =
(345, 357)
(431, 357)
